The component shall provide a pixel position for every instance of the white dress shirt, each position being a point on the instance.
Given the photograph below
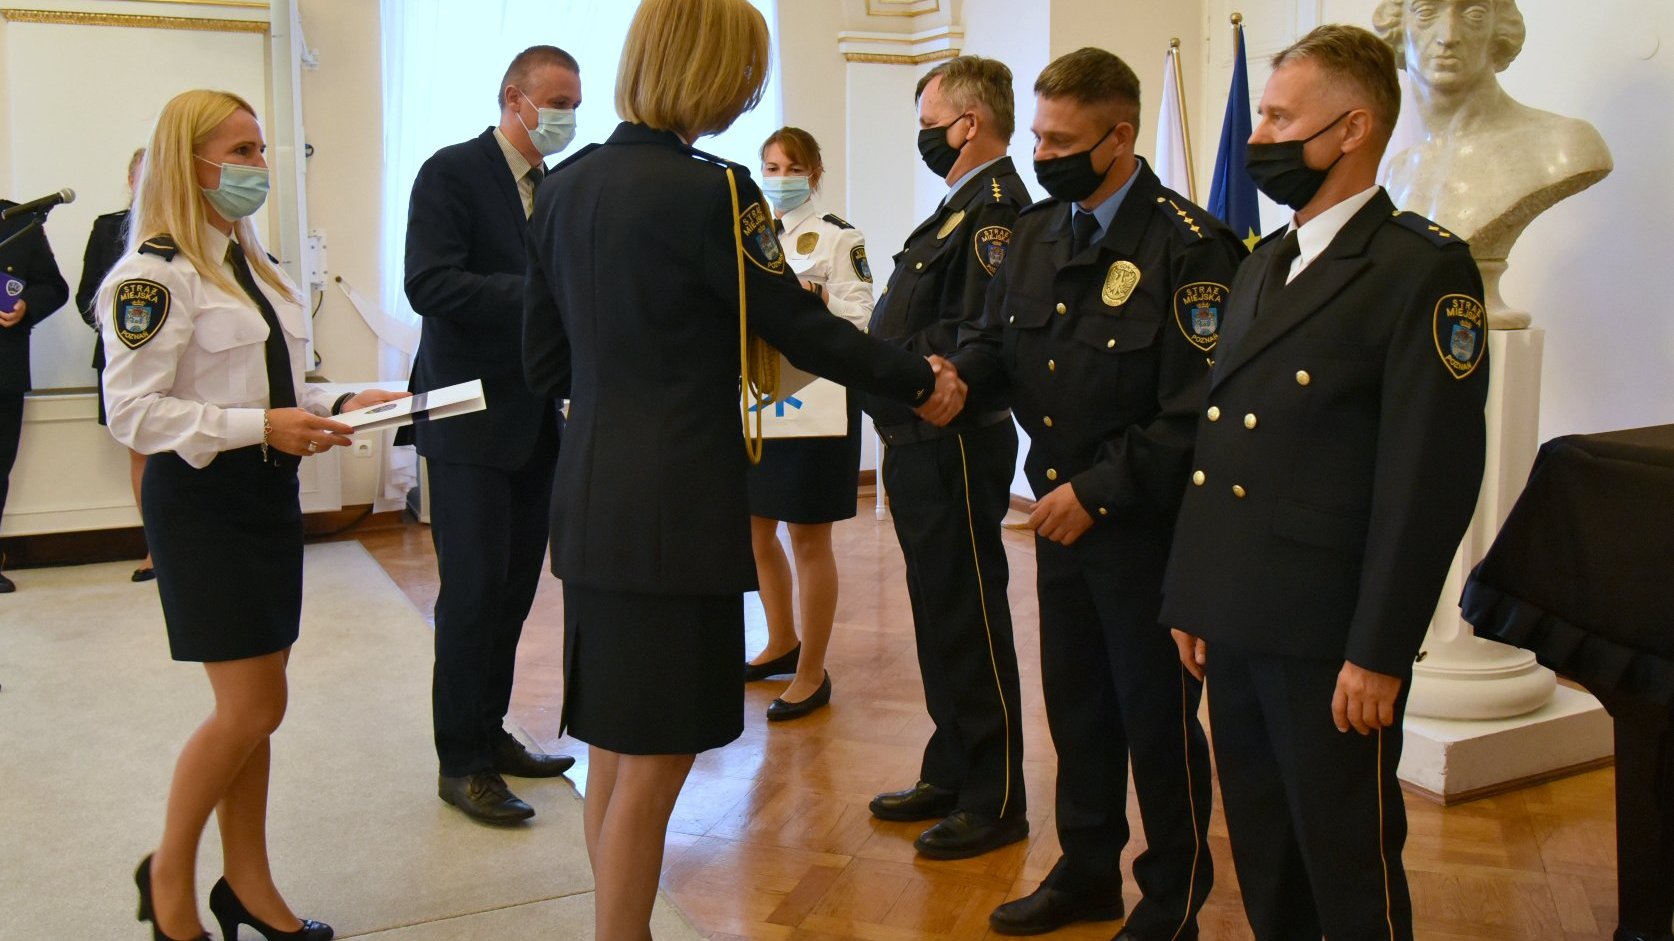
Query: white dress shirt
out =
(198, 385)
(520, 172)
(1315, 237)
(824, 252)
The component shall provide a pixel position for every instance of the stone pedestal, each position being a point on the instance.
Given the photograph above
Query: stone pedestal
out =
(1481, 716)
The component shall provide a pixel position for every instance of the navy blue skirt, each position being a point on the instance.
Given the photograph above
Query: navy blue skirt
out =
(227, 544)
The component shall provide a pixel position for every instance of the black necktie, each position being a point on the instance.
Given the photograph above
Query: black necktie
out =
(1278, 271)
(281, 391)
(778, 227)
(1084, 226)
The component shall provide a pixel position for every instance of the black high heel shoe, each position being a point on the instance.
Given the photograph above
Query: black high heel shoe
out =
(231, 913)
(142, 879)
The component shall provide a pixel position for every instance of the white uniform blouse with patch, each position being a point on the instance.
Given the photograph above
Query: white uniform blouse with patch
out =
(826, 250)
(192, 378)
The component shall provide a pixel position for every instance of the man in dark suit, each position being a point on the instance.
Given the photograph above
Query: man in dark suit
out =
(490, 474)
(28, 259)
(1337, 467)
(1100, 326)
(949, 487)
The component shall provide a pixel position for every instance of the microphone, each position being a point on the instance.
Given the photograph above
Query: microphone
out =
(42, 205)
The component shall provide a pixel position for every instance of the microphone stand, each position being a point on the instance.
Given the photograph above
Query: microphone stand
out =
(36, 220)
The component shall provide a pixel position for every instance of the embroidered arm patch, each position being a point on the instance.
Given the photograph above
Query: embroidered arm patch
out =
(1460, 332)
(1197, 311)
(141, 306)
(761, 246)
(862, 270)
(990, 243)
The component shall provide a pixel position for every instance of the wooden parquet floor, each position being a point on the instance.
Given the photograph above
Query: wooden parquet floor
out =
(771, 840)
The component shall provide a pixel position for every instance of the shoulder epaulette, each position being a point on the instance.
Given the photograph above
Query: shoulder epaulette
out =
(113, 215)
(572, 158)
(1183, 215)
(1047, 203)
(707, 157)
(837, 220)
(1430, 230)
(160, 245)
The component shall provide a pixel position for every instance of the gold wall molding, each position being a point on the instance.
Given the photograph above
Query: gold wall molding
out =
(902, 7)
(133, 21)
(885, 58)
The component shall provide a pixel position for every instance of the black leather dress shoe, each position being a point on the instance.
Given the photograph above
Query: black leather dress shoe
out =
(484, 796)
(147, 574)
(778, 710)
(1624, 934)
(510, 757)
(964, 834)
(1048, 909)
(919, 802)
(778, 666)
(7, 586)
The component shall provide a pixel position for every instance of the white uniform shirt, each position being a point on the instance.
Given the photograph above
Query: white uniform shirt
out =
(186, 361)
(821, 251)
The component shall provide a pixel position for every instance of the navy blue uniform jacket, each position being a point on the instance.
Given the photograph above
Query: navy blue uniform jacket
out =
(466, 257)
(633, 309)
(1341, 449)
(29, 259)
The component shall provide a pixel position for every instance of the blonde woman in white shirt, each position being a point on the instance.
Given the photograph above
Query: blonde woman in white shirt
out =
(806, 483)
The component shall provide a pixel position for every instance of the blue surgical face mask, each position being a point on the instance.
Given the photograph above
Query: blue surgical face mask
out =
(242, 191)
(786, 192)
(554, 128)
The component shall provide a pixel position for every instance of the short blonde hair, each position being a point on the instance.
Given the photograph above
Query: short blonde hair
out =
(968, 81)
(692, 66)
(169, 200)
(1355, 55)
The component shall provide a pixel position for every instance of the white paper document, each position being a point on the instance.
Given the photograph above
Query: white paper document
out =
(446, 402)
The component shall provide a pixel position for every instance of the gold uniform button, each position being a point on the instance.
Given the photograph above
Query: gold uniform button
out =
(1238, 491)
(1250, 421)
(1051, 473)
(1103, 511)
(918, 265)
(1214, 413)
(1110, 344)
(1061, 308)
(1302, 377)
(1051, 365)
(1047, 421)
(1198, 478)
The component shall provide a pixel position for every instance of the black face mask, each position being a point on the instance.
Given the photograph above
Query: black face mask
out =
(937, 153)
(1071, 178)
(1280, 171)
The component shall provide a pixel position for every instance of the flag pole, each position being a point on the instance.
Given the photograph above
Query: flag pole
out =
(1185, 122)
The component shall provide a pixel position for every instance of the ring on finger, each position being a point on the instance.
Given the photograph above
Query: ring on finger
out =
(312, 447)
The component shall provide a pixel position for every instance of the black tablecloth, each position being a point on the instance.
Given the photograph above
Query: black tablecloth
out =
(1582, 573)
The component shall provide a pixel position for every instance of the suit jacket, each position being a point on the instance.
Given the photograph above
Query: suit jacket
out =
(1342, 449)
(30, 260)
(942, 273)
(466, 260)
(632, 263)
(106, 244)
(1105, 355)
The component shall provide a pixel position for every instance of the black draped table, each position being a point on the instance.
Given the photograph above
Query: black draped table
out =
(1582, 574)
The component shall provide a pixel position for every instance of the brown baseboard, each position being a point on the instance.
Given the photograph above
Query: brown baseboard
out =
(1504, 787)
(128, 543)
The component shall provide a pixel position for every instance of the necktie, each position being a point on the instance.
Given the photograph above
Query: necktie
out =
(281, 392)
(778, 227)
(536, 174)
(1278, 271)
(1084, 226)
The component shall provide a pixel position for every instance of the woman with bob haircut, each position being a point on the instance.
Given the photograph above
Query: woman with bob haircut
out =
(644, 255)
(205, 344)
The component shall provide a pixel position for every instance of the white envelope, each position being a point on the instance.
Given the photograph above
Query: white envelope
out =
(461, 399)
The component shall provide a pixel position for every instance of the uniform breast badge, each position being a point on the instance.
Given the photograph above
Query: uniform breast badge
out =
(1119, 283)
(806, 241)
(141, 307)
(1460, 333)
(949, 225)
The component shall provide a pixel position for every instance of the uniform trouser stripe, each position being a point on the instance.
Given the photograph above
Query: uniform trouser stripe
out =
(1191, 798)
(987, 629)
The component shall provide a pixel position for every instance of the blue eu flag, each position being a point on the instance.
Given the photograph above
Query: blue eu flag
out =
(1232, 196)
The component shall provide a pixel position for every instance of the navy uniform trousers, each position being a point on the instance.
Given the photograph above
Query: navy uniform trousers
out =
(948, 496)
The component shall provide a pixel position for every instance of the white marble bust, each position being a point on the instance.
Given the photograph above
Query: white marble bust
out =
(1487, 164)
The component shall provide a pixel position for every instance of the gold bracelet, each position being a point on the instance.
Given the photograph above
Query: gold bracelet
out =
(267, 429)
